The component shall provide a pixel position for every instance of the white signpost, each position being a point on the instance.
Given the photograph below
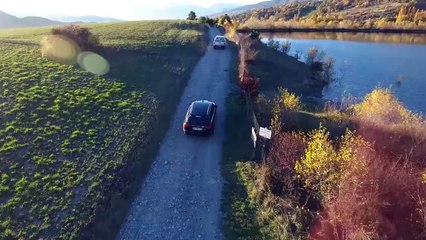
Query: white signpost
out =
(266, 133)
(253, 137)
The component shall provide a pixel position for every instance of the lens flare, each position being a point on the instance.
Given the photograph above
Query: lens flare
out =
(93, 63)
(60, 49)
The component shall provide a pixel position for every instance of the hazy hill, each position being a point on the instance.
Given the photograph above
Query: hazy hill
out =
(10, 21)
(87, 19)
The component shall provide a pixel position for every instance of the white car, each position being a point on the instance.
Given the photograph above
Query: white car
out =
(219, 42)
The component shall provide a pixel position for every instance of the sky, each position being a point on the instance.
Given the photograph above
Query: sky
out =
(121, 9)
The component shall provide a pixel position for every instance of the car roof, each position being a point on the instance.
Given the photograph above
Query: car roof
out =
(219, 37)
(200, 108)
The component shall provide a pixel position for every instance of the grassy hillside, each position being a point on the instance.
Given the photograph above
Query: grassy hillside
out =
(123, 35)
(333, 14)
(74, 146)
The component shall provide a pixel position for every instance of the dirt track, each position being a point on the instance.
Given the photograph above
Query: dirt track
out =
(181, 196)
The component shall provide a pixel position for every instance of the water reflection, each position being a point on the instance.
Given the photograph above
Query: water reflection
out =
(356, 37)
(364, 61)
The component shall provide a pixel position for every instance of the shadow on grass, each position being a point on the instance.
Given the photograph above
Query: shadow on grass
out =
(239, 216)
(163, 72)
(276, 69)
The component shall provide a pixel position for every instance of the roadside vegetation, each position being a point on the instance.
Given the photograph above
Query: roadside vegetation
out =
(74, 146)
(335, 15)
(348, 170)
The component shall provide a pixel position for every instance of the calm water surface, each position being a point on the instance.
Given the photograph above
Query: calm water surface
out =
(364, 61)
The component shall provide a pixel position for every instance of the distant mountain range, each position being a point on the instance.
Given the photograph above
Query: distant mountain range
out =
(251, 7)
(182, 11)
(10, 21)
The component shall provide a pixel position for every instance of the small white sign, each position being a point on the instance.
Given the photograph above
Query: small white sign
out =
(253, 137)
(266, 133)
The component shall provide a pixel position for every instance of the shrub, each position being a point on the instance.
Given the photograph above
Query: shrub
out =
(381, 201)
(395, 130)
(192, 16)
(286, 149)
(312, 56)
(276, 117)
(249, 84)
(254, 34)
(273, 44)
(328, 70)
(382, 108)
(320, 166)
(323, 166)
(285, 46)
(80, 35)
(203, 20)
(290, 101)
(248, 51)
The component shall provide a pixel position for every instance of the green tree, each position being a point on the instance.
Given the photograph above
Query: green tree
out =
(203, 20)
(211, 22)
(221, 20)
(192, 16)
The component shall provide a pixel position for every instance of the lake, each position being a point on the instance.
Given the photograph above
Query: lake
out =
(364, 61)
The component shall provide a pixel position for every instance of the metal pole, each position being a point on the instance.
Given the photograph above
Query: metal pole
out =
(263, 151)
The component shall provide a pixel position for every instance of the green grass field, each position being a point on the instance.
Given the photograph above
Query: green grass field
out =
(74, 146)
(123, 34)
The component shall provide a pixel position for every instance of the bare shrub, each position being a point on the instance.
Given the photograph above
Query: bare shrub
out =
(249, 85)
(328, 70)
(249, 48)
(286, 149)
(273, 44)
(297, 55)
(248, 53)
(251, 55)
(312, 56)
(285, 46)
(80, 35)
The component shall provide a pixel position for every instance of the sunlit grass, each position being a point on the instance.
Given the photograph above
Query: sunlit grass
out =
(130, 34)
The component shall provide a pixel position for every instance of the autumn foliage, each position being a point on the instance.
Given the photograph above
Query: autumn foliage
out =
(248, 52)
(394, 130)
(369, 183)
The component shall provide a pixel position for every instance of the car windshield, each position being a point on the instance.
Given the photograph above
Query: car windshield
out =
(220, 39)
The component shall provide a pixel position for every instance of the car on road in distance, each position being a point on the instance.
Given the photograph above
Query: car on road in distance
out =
(200, 117)
(219, 42)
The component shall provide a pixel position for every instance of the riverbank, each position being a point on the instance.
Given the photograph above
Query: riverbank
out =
(275, 70)
(332, 30)
(283, 195)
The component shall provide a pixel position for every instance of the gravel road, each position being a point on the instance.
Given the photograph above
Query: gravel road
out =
(181, 196)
